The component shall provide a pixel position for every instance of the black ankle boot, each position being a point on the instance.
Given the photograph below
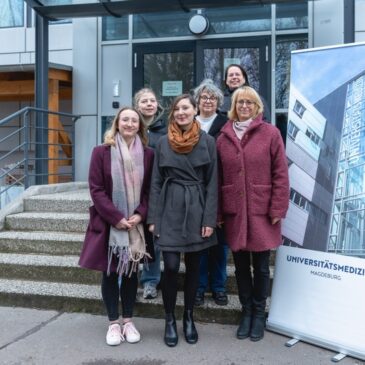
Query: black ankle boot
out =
(170, 337)
(257, 329)
(191, 335)
(244, 328)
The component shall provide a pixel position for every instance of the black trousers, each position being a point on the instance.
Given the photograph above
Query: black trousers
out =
(111, 291)
(169, 282)
(253, 288)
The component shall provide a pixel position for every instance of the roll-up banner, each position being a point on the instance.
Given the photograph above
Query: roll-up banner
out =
(318, 293)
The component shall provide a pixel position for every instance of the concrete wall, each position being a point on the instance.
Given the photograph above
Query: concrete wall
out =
(359, 21)
(328, 22)
(18, 45)
(85, 92)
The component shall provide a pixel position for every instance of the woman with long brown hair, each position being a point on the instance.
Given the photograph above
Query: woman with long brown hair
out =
(183, 208)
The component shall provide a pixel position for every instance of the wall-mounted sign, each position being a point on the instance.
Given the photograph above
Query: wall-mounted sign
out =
(171, 88)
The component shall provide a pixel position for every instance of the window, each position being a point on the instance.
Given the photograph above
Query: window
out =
(292, 16)
(292, 130)
(284, 46)
(313, 136)
(114, 28)
(11, 13)
(299, 109)
(248, 18)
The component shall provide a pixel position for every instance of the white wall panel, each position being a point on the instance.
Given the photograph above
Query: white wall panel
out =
(12, 40)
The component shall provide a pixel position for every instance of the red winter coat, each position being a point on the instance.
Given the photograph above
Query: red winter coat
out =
(253, 186)
(103, 214)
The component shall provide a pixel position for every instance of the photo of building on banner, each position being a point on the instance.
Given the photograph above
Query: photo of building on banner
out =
(318, 290)
(326, 151)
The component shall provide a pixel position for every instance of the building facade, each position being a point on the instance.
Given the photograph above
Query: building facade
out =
(113, 57)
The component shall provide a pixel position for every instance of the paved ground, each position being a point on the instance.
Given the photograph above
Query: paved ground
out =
(30, 336)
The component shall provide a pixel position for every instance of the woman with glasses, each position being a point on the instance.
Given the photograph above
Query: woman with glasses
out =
(254, 197)
(236, 76)
(213, 260)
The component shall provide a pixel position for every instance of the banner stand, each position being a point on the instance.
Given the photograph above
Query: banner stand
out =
(337, 358)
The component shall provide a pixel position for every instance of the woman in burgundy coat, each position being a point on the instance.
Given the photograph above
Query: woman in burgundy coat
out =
(115, 241)
(254, 197)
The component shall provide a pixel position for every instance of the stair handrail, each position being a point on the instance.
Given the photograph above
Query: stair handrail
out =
(24, 144)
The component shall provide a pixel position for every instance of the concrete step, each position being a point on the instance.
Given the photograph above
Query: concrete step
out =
(66, 269)
(47, 221)
(63, 269)
(87, 298)
(77, 201)
(50, 243)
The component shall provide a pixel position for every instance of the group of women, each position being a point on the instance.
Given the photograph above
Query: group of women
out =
(207, 176)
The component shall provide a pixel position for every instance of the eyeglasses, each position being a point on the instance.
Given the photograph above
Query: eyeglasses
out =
(210, 98)
(247, 102)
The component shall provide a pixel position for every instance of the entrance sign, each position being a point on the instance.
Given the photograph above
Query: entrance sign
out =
(319, 298)
(171, 88)
(318, 295)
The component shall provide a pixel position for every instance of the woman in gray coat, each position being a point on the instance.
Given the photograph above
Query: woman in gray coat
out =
(183, 208)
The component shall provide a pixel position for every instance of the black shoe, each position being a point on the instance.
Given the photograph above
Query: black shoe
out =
(190, 332)
(199, 299)
(257, 328)
(170, 337)
(220, 298)
(244, 328)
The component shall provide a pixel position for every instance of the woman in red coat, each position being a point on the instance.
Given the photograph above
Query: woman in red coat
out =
(115, 241)
(254, 197)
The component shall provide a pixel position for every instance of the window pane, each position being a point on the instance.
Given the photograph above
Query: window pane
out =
(282, 80)
(292, 16)
(170, 68)
(247, 18)
(169, 24)
(11, 13)
(114, 28)
(214, 67)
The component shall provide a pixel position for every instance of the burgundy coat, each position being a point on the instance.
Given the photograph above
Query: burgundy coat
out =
(253, 186)
(103, 213)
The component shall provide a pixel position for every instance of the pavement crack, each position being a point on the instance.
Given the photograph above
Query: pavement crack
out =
(32, 330)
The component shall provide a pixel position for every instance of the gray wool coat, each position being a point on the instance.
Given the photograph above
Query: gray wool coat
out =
(183, 196)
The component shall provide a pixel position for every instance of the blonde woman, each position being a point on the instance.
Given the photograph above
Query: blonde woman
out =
(115, 241)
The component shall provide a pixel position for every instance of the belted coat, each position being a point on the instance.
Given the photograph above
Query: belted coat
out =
(253, 185)
(183, 195)
(103, 213)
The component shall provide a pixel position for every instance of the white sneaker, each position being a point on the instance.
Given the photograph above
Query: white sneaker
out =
(130, 333)
(149, 292)
(114, 336)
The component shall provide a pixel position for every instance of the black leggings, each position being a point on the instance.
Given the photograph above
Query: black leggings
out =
(169, 284)
(110, 291)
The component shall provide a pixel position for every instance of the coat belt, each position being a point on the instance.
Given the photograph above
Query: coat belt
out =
(187, 196)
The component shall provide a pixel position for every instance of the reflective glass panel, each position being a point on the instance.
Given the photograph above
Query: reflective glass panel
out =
(247, 18)
(214, 63)
(169, 74)
(292, 16)
(282, 80)
(114, 28)
(168, 24)
(11, 13)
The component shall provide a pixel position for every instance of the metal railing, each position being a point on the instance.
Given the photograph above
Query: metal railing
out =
(18, 157)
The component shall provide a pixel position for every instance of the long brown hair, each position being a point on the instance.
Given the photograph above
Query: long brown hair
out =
(109, 136)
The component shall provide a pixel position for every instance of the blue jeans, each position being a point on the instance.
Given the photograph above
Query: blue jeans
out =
(213, 266)
(152, 276)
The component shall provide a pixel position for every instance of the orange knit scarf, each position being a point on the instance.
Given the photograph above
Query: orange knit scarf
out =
(183, 141)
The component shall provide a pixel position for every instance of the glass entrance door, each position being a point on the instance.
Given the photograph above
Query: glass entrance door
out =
(253, 55)
(168, 68)
(173, 68)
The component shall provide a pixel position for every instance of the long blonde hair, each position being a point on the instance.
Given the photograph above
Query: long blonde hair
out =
(109, 136)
